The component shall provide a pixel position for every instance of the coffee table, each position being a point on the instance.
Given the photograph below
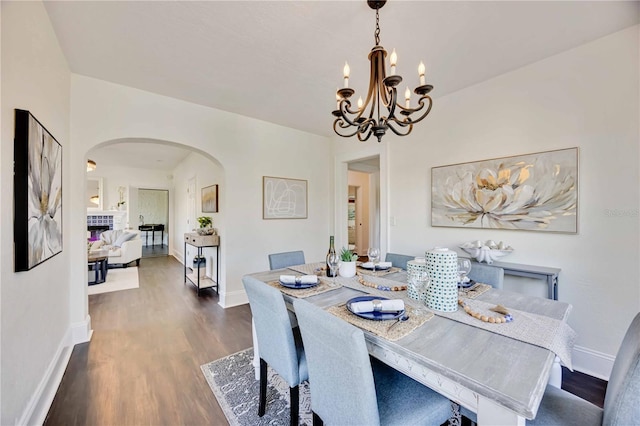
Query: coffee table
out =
(97, 263)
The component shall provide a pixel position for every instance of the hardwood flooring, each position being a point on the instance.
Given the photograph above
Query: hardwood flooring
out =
(142, 366)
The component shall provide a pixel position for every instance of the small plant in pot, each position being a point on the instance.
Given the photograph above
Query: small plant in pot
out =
(348, 264)
(205, 225)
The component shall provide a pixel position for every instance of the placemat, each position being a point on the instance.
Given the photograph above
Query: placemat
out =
(548, 333)
(315, 268)
(323, 286)
(378, 272)
(474, 291)
(381, 328)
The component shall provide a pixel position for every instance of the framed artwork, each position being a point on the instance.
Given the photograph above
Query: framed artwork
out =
(533, 192)
(284, 198)
(37, 229)
(210, 199)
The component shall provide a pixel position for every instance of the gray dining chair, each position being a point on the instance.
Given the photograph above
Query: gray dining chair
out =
(288, 258)
(621, 399)
(349, 388)
(492, 275)
(398, 260)
(279, 346)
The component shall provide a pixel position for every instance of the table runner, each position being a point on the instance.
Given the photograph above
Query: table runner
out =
(378, 272)
(417, 317)
(538, 330)
(323, 286)
(474, 291)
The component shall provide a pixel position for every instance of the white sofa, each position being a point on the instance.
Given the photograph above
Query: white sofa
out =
(124, 246)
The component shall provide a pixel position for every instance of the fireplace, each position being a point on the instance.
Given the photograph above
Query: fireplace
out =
(95, 231)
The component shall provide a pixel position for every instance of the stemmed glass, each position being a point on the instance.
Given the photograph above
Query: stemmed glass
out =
(464, 266)
(334, 261)
(374, 256)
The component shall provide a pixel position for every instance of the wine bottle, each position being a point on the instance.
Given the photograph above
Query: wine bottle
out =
(332, 250)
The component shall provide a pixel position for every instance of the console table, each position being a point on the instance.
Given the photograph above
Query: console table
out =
(200, 242)
(550, 275)
(153, 227)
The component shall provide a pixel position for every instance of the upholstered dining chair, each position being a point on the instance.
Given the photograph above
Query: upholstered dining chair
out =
(621, 399)
(398, 260)
(288, 258)
(278, 345)
(492, 275)
(349, 388)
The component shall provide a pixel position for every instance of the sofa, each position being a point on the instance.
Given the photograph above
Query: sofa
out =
(124, 246)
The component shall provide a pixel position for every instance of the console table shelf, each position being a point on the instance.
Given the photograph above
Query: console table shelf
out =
(194, 277)
(548, 274)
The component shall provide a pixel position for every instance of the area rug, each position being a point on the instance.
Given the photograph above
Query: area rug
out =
(117, 279)
(232, 380)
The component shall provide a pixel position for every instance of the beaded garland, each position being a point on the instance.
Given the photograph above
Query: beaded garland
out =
(493, 320)
(380, 287)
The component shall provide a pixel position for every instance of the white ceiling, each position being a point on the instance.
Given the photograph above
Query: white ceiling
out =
(281, 61)
(140, 154)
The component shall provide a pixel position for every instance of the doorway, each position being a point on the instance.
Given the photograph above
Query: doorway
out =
(153, 221)
(363, 204)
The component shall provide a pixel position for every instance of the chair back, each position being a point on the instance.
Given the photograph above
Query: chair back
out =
(622, 398)
(273, 329)
(340, 375)
(289, 258)
(492, 275)
(399, 260)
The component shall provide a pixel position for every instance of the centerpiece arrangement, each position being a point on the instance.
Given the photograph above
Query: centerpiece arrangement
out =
(205, 226)
(348, 264)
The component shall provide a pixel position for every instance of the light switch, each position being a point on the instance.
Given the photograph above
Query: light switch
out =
(392, 221)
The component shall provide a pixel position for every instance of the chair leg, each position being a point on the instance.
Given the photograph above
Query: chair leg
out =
(294, 397)
(317, 421)
(263, 388)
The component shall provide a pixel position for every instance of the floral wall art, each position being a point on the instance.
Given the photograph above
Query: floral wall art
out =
(534, 192)
(37, 193)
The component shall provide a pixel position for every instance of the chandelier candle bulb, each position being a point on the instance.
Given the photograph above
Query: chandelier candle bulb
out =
(407, 97)
(346, 71)
(393, 60)
(421, 71)
(360, 102)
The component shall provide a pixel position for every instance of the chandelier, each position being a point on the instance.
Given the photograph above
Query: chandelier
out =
(91, 165)
(367, 120)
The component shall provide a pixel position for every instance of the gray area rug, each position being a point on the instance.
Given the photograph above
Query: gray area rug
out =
(232, 380)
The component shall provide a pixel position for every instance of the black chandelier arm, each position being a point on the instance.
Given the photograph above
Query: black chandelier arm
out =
(339, 123)
(422, 104)
(403, 124)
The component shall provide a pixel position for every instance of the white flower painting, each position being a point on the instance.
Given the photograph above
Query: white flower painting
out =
(38, 187)
(535, 192)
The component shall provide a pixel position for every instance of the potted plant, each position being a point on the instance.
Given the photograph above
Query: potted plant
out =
(205, 225)
(347, 267)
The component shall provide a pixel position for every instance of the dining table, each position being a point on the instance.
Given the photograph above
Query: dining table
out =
(498, 375)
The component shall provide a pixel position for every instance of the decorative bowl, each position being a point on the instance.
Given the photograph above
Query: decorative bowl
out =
(205, 231)
(487, 251)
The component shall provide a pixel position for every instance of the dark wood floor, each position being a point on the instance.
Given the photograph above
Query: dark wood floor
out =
(142, 366)
(155, 250)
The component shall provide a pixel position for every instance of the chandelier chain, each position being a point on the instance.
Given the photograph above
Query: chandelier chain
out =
(377, 32)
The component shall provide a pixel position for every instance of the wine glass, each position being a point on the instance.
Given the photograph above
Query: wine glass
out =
(374, 256)
(334, 261)
(464, 266)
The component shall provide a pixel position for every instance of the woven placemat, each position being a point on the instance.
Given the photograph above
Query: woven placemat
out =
(381, 328)
(378, 272)
(322, 287)
(315, 268)
(474, 291)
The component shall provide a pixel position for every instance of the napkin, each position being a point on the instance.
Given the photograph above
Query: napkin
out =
(379, 265)
(465, 280)
(304, 279)
(392, 305)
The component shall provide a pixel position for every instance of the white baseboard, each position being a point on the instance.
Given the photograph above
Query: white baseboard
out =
(36, 411)
(236, 298)
(81, 332)
(593, 363)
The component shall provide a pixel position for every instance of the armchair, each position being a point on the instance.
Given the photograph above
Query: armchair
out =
(124, 246)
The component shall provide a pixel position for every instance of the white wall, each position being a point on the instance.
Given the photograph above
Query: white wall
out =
(34, 304)
(586, 97)
(247, 149)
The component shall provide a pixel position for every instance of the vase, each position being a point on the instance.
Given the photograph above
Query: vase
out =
(347, 269)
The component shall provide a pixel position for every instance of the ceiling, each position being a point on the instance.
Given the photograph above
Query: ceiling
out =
(139, 154)
(281, 61)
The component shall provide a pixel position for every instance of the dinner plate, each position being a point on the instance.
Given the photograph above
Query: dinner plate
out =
(297, 285)
(467, 284)
(376, 316)
(369, 266)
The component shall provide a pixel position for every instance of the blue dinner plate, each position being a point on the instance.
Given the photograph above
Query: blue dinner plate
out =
(467, 285)
(297, 285)
(377, 316)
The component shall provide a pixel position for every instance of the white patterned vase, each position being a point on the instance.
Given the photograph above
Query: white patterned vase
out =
(442, 294)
